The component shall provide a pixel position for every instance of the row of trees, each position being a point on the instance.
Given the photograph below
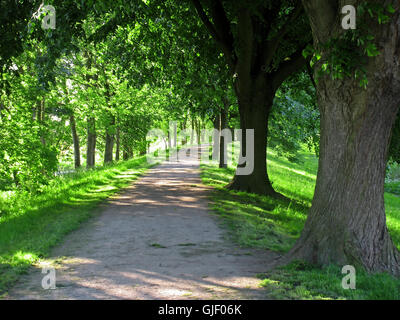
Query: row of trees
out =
(357, 81)
(134, 64)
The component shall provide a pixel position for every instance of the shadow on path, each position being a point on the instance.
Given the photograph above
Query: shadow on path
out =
(154, 241)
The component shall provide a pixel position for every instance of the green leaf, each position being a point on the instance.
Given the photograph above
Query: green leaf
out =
(390, 9)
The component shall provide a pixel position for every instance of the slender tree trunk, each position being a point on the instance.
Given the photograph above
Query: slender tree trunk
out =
(109, 146)
(217, 127)
(75, 139)
(169, 140)
(175, 135)
(117, 144)
(198, 131)
(347, 223)
(125, 154)
(222, 143)
(192, 132)
(1, 109)
(91, 143)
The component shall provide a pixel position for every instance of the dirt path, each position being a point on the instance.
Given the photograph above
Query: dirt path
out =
(156, 240)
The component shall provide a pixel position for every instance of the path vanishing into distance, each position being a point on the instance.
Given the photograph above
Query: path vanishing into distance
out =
(155, 240)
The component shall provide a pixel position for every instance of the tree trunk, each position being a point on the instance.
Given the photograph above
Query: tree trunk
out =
(75, 139)
(169, 141)
(347, 223)
(198, 131)
(109, 146)
(91, 143)
(222, 143)
(175, 135)
(117, 144)
(252, 65)
(192, 133)
(217, 127)
(130, 152)
(255, 103)
(125, 155)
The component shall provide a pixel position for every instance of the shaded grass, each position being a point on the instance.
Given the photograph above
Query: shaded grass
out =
(30, 225)
(302, 281)
(262, 222)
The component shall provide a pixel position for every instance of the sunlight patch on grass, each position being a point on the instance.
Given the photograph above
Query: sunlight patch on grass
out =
(261, 222)
(30, 225)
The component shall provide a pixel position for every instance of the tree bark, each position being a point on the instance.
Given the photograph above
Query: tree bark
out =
(198, 131)
(109, 146)
(347, 223)
(222, 143)
(91, 143)
(75, 139)
(169, 140)
(254, 109)
(217, 127)
(192, 133)
(117, 144)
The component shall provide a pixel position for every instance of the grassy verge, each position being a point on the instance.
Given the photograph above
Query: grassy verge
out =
(31, 225)
(261, 222)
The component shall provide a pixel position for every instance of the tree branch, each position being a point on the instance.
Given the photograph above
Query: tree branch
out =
(222, 23)
(294, 63)
(311, 75)
(272, 45)
(322, 16)
(222, 36)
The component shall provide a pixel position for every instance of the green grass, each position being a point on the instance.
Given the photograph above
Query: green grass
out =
(30, 225)
(301, 281)
(261, 222)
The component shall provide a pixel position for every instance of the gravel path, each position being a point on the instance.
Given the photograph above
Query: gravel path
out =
(156, 240)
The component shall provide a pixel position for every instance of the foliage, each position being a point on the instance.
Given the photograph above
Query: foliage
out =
(295, 119)
(345, 55)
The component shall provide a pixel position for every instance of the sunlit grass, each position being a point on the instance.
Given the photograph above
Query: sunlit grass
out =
(262, 222)
(30, 225)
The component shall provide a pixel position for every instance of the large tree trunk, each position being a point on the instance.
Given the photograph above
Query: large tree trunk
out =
(347, 223)
(75, 139)
(91, 143)
(255, 103)
(253, 66)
